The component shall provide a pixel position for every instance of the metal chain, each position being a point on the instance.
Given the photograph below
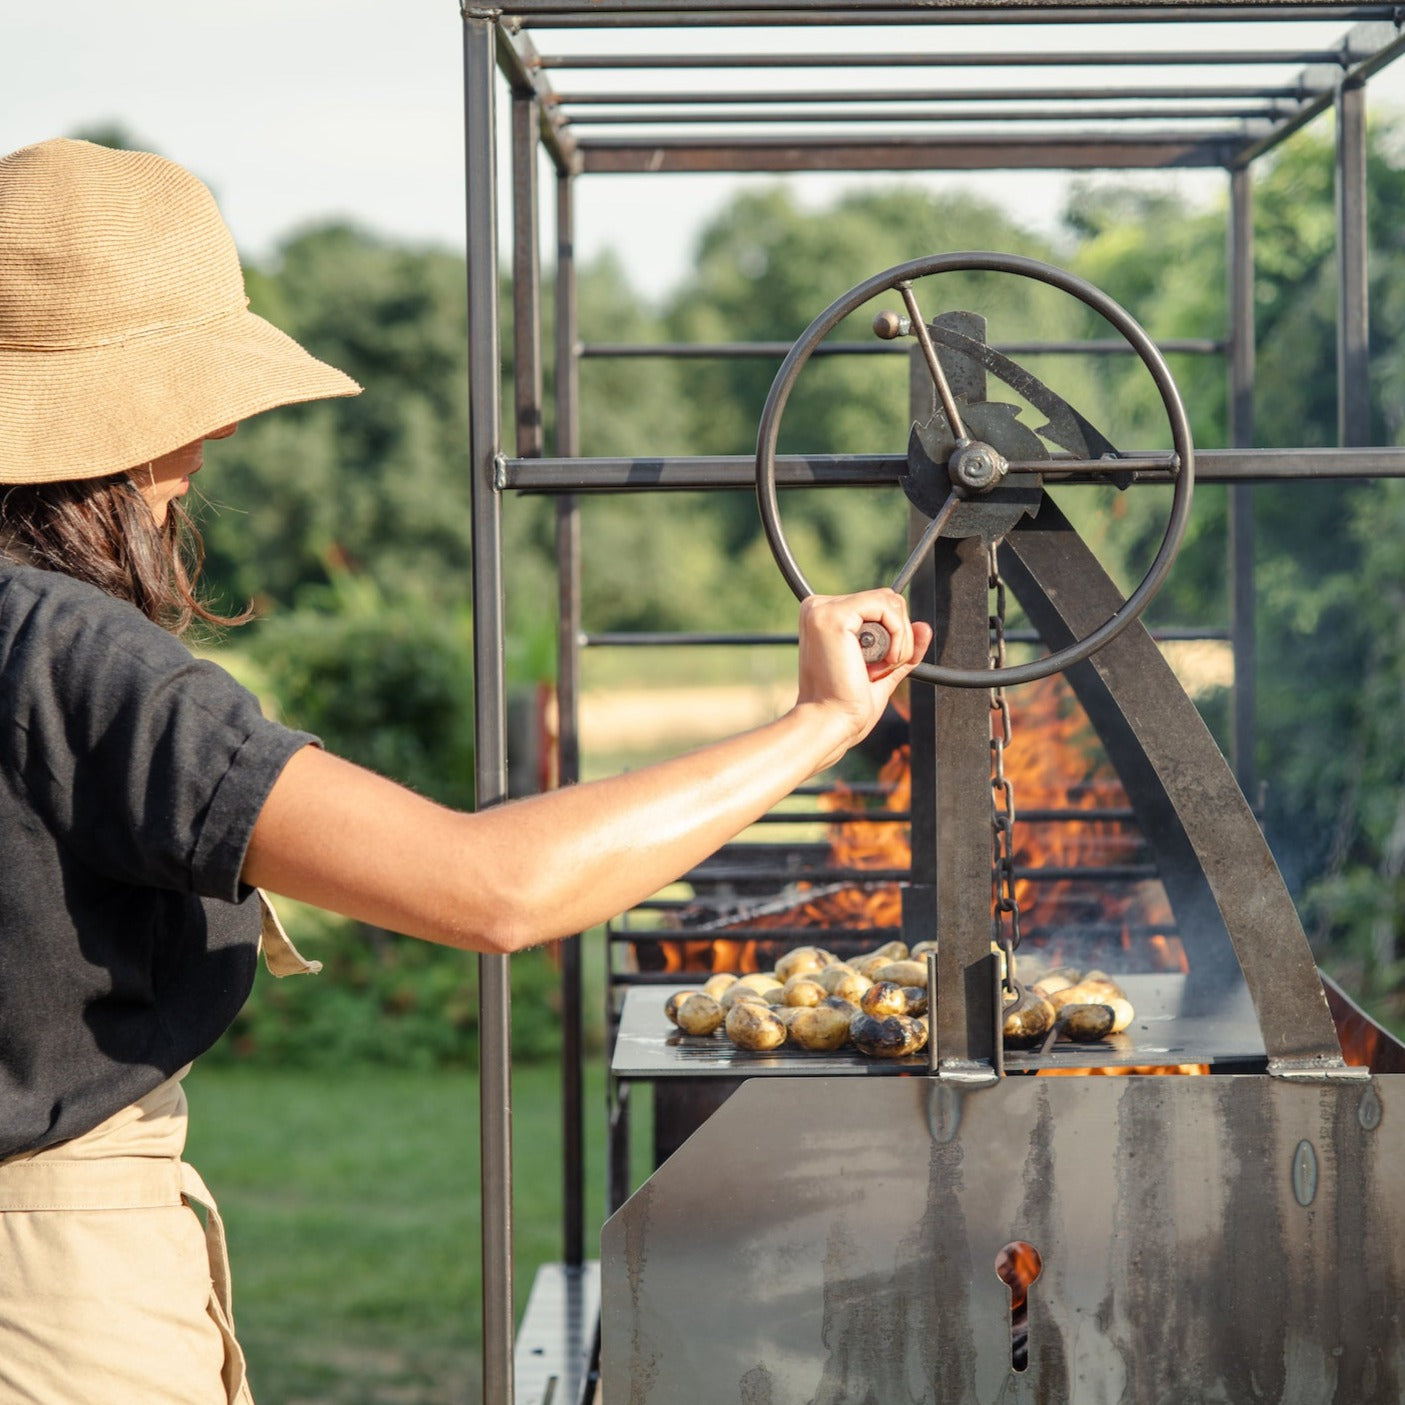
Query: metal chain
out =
(1005, 910)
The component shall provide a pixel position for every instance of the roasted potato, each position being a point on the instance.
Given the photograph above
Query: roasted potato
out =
(801, 990)
(892, 1037)
(1086, 1024)
(670, 1006)
(754, 1026)
(820, 1028)
(700, 1014)
(739, 994)
(901, 973)
(801, 961)
(1027, 1018)
(883, 998)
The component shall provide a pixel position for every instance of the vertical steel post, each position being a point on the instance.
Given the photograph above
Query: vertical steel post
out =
(1241, 495)
(1353, 314)
(568, 634)
(526, 278)
(490, 732)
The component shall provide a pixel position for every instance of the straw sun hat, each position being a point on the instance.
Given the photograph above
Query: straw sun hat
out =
(124, 328)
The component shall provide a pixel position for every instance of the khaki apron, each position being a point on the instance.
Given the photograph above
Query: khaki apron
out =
(111, 1290)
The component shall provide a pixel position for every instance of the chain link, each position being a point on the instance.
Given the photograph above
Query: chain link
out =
(1005, 911)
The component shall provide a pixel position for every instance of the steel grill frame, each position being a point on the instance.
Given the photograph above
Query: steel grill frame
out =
(951, 1354)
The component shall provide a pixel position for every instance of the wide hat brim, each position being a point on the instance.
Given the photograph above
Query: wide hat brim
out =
(95, 410)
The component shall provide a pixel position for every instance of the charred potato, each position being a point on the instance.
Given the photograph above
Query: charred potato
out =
(1027, 1018)
(820, 1028)
(700, 1014)
(916, 997)
(892, 1037)
(883, 998)
(754, 1026)
(1086, 1024)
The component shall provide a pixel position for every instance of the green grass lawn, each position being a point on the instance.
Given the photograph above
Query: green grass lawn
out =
(351, 1207)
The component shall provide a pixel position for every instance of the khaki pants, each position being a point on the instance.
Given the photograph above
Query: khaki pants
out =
(111, 1290)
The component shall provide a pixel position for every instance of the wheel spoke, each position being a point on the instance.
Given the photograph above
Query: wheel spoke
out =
(929, 353)
(923, 549)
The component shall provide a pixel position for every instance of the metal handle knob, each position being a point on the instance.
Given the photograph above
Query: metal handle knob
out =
(874, 641)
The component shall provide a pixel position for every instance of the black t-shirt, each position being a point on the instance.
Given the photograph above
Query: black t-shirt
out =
(131, 775)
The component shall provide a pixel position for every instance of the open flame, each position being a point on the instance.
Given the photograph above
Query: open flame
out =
(1054, 763)
(1071, 815)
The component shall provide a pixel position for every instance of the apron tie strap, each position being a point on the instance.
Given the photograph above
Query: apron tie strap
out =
(114, 1183)
(195, 1192)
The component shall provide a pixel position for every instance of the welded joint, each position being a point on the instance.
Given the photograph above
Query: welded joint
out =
(500, 482)
(1317, 1071)
(478, 12)
(967, 1075)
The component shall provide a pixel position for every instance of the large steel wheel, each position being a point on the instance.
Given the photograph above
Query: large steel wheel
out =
(974, 468)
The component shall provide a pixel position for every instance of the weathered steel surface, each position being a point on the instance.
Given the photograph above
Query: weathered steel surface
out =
(833, 1242)
(1220, 876)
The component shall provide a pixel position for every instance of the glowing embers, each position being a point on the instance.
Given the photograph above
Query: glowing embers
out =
(1017, 1266)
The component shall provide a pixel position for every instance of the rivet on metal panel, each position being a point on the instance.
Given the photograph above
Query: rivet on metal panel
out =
(1368, 1113)
(1017, 1265)
(1305, 1173)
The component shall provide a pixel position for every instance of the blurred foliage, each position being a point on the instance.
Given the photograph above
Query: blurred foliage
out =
(348, 521)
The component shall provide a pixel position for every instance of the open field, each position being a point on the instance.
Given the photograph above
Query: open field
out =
(351, 1206)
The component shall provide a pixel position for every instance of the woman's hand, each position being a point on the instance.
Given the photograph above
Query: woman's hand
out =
(833, 673)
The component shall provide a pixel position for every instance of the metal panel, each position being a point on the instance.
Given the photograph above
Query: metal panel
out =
(828, 1242)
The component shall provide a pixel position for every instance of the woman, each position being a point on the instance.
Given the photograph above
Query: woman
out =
(145, 802)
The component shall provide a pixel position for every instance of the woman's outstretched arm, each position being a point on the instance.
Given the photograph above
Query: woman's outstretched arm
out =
(342, 838)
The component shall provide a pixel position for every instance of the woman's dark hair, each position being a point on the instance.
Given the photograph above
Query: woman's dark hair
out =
(101, 530)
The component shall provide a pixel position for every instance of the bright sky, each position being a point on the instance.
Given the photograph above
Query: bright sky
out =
(298, 110)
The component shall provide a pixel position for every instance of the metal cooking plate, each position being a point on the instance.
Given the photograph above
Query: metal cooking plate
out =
(1164, 1033)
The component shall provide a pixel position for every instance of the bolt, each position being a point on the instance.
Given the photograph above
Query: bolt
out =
(977, 466)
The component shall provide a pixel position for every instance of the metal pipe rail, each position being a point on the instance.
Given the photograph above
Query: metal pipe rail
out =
(691, 474)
